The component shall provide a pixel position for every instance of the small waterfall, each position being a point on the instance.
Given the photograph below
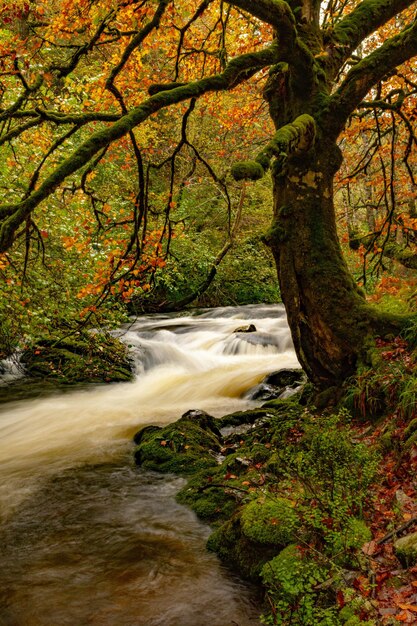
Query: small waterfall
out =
(11, 369)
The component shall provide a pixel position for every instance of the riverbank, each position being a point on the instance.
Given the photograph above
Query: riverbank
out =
(316, 507)
(55, 365)
(261, 477)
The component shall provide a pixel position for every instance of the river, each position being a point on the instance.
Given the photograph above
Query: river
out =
(86, 538)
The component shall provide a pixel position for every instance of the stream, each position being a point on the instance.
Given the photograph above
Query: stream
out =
(87, 538)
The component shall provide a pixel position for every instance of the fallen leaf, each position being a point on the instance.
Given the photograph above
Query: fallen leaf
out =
(402, 617)
(408, 607)
(370, 548)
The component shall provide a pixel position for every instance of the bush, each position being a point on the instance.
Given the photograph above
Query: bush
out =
(291, 579)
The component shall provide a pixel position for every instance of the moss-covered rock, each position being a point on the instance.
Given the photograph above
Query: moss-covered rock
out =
(406, 549)
(238, 551)
(184, 447)
(270, 520)
(84, 357)
(240, 418)
(208, 496)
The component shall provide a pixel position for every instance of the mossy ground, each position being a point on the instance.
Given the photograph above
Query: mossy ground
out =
(250, 482)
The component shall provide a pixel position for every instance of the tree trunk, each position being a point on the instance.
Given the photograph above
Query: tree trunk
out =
(328, 315)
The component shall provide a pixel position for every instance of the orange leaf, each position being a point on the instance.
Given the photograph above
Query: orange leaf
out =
(408, 607)
(402, 617)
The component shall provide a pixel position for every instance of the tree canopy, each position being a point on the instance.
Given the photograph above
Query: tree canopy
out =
(102, 101)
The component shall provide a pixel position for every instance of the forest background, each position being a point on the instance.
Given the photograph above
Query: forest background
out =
(155, 220)
(135, 136)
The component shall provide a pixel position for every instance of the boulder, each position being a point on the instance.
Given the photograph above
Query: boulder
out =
(285, 378)
(250, 328)
(280, 384)
(184, 447)
(264, 392)
(405, 549)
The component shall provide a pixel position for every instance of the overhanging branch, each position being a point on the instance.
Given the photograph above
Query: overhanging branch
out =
(291, 139)
(277, 13)
(368, 16)
(13, 215)
(367, 73)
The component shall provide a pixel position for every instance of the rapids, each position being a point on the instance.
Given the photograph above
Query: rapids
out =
(86, 537)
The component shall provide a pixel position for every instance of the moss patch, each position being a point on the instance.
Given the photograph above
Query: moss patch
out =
(238, 551)
(406, 549)
(184, 447)
(270, 521)
(85, 357)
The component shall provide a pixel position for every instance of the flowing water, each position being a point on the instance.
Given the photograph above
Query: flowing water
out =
(87, 538)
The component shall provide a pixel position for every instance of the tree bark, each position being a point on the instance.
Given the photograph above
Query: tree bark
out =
(327, 313)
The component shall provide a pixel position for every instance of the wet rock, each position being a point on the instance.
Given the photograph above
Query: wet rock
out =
(405, 549)
(203, 419)
(280, 384)
(285, 378)
(264, 392)
(251, 328)
(138, 437)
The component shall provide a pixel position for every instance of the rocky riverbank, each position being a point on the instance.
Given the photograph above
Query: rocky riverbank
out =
(292, 498)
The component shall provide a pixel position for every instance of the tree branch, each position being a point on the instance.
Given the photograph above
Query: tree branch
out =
(13, 215)
(365, 74)
(368, 16)
(404, 256)
(277, 13)
(291, 139)
(136, 41)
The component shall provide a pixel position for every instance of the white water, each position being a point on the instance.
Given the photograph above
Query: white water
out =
(182, 363)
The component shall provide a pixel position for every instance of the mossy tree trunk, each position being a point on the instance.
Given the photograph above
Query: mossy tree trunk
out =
(327, 313)
(328, 316)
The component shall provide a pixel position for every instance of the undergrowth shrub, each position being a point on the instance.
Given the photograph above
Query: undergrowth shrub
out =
(331, 474)
(291, 579)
